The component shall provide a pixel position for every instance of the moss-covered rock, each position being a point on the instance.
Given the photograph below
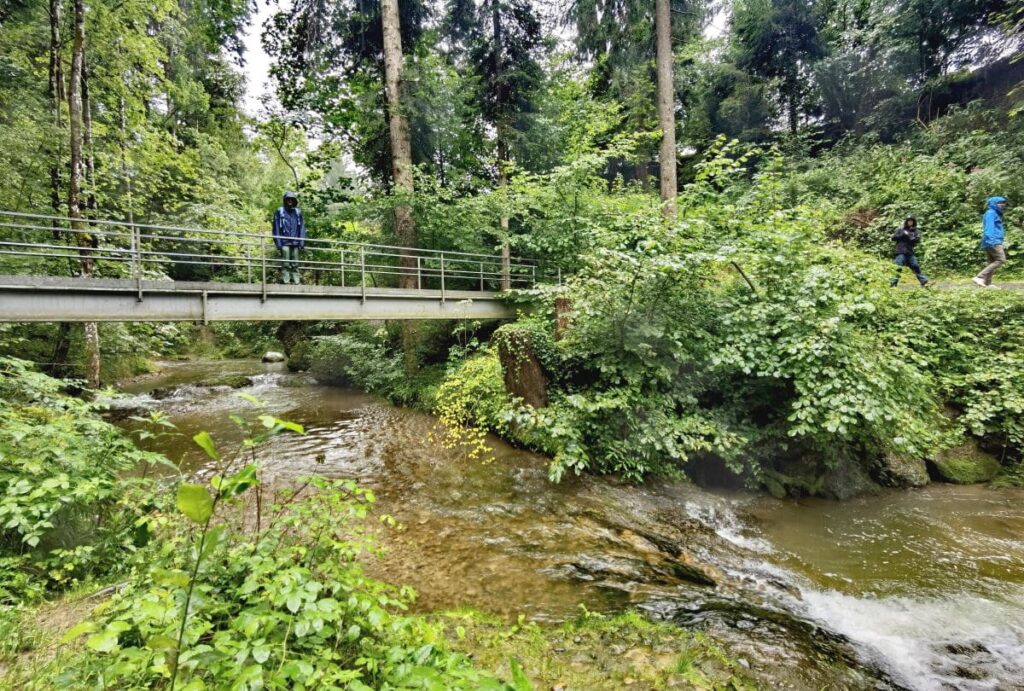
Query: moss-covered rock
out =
(234, 381)
(299, 357)
(966, 464)
(899, 470)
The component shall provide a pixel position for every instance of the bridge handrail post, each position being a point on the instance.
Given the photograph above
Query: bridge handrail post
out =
(481, 277)
(136, 258)
(342, 267)
(442, 277)
(362, 273)
(248, 264)
(533, 275)
(263, 262)
(419, 274)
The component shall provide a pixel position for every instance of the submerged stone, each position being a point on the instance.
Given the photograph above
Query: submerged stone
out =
(966, 464)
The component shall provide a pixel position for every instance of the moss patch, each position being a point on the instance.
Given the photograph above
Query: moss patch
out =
(966, 464)
(624, 651)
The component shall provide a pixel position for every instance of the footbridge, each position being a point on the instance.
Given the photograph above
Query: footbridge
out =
(90, 270)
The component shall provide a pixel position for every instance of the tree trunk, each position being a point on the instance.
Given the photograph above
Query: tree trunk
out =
(666, 109)
(56, 93)
(793, 114)
(92, 336)
(88, 151)
(502, 150)
(401, 164)
(401, 147)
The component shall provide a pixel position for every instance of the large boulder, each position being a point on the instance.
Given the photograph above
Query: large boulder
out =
(847, 480)
(966, 464)
(273, 356)
(899, 470)
(299, 357)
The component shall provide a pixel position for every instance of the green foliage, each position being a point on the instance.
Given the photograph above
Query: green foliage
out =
(942, 175)
(472, 401)
(354, 359)
(67, 509)
(672, 353)
(285, 605)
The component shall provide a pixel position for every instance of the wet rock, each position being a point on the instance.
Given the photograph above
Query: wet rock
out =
(966, 464)
(604, 566)
(966, 648)
(121, 413)
(899, 470)
(273, 356)
(234, 381)
(162, 392)
(848, 480)
(686, 567)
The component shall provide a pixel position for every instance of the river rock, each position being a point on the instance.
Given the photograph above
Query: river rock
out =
(899, 470)
(847, 480)
(966, 464)
(273, 356)
(234, 381)
(299, 357)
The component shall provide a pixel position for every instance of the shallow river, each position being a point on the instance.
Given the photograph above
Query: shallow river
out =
(918, 590)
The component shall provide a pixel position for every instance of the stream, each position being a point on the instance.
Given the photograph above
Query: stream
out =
(905, 590)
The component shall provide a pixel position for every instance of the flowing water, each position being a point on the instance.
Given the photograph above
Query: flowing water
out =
(919, 590)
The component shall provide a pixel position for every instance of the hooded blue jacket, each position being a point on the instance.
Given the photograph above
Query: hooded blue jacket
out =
(289, 226)
(992, 232)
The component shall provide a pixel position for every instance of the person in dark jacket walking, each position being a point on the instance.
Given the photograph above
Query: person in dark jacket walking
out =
(993, 234)
(906, 238)
(289, 236)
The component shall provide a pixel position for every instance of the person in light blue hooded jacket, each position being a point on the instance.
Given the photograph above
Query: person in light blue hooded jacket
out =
(993, 234)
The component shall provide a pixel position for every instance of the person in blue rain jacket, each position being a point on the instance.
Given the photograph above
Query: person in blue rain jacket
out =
(289, 232)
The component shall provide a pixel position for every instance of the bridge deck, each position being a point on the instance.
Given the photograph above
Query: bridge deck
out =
(47, 298)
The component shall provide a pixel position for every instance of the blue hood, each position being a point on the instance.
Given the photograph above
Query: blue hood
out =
(992, 201)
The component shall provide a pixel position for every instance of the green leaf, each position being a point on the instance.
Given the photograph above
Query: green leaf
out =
(205, 442)
(78, 630)
(520, 682)
(261, 653)
(195, 502)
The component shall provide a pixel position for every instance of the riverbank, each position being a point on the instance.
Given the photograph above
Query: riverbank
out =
(787, 593)
(499, 537)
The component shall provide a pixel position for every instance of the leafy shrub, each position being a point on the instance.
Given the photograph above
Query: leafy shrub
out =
(354, 359)
(942, 174)
(283, 606)
(67, 508)
(472, 401)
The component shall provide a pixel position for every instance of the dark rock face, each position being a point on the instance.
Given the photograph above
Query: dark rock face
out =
(966, 464)
(805, 475)
(898, 470)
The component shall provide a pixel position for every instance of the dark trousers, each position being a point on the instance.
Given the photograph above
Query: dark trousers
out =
(911, 261)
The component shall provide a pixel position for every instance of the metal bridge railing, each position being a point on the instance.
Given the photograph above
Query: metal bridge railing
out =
(36, 244)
